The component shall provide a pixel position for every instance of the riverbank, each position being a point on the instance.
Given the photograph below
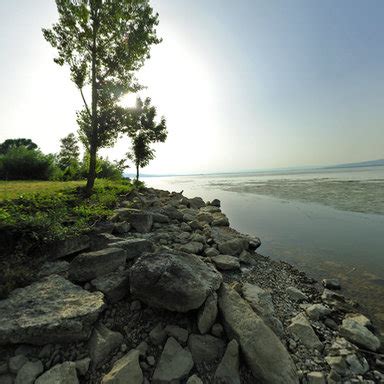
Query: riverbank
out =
(167, 292)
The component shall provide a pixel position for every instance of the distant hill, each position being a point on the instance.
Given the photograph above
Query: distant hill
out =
(370, 163)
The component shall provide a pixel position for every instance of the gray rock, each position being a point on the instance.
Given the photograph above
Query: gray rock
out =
(82, 366)
(228, 370)
(205, 348)
(210, 252)
(264, 353)
(317, 311)
(226, 262)
(16, 362)
(196, 203)
(316, 378)
(102, 343)
(102, 240)
(135, 306)
(192, 247)
(142, 348)
(233, 247)
(174, 281)
(60, 374)
(62, 248)
(172, 212)
(194, 380)
(142, 221)
(359, 318)
(357, 366)
(160, 218)
(216, 203)
(115, 285)
(220, 220)
(207, 314)
(302, 330)
(49, 311)
(158, 335)
(359, 335)
(217, 330)
(121, 228)
(336, 300)
(174, 365)
(125, 370)
(178, 333)
(134, 248)
(247, 258)
(296, 295)
(28, 372)
(331, 283)
(54, 268)
(7, 379)
(3, 367)
(88, 266)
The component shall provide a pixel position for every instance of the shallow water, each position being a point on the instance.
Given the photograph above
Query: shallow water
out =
(294, 215)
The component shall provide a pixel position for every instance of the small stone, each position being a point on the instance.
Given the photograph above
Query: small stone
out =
(316, 378)
(135, 306)
(217, 330)
(180, 334)
(16, 362)
(194, 380)
(28, 372)
(151, 361)
(296, 295)
(211, 252)
(226, 262)
(142, 348)
(158, 335)
(331, 284)
(317, 311)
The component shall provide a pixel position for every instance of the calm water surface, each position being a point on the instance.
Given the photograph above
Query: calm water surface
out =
(293, 213)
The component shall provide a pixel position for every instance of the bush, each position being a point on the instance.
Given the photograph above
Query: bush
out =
(21, 163)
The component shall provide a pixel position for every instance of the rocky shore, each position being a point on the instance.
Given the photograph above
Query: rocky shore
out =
(167, 293)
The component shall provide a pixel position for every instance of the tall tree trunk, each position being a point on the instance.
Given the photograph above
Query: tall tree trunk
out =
(137, 172)
(94, 118)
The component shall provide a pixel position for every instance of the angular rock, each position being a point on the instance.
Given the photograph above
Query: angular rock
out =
(296, 295)
(178, 333)
(359, 318)
(220, 220)
(207, 314)
(210, 252)
(302, 330)
(217, 330)
(60, 374)
(52, 310)
(331, 283)
(196, 203)
(125, 370)
(173, 213)
(174, 365)
(158, 335)
(337, 301)
(317, 311)
(140, 220)
(359, 335)
(88, 266)
(205, 217)
(233, 247)
(28, 372)
(160, 218)
(54, 268)
(115, 285)
(316, 378)
(264, 353)
(134, 248)
(174, 281)
(194, 380)
(226, 262)
(82, 366)
(228, 370)
(247, 258)
(16, 362)
(102, 343)
(62, 248)
(121, 228)
(192, 247)
(205, 348)
(216, 203)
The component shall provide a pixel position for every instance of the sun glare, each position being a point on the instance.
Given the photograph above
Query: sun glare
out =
(128, 100)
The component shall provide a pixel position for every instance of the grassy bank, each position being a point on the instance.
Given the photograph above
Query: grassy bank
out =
(33, 214)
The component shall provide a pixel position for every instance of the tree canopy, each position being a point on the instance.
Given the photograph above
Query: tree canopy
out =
(15, 143)
(103, 42)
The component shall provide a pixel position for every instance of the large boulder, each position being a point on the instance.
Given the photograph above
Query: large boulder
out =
(52, 310)
(140, 220)
(88, 266)
(125, 370)
(62, 248)
(102, 343)
(115, 285)
(359, 335)
(264, 353)
(134, 247)
(174, 365)
(175, 281)
(233, 247)
(61, 374)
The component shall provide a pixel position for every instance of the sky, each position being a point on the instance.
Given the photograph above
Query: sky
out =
(245, 85)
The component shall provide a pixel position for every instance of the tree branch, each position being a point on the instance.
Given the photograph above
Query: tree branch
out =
(85, 103)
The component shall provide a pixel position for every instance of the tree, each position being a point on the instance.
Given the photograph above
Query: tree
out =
(104, 42)
(15, 143)
(69, 151)
(144, 132)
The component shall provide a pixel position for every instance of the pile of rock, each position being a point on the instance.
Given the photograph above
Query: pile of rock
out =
(167, 292)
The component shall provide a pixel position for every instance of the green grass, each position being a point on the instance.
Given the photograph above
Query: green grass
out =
(16, 189)
(34, 214)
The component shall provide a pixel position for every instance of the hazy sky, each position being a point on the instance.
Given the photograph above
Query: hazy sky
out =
(244, 84)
